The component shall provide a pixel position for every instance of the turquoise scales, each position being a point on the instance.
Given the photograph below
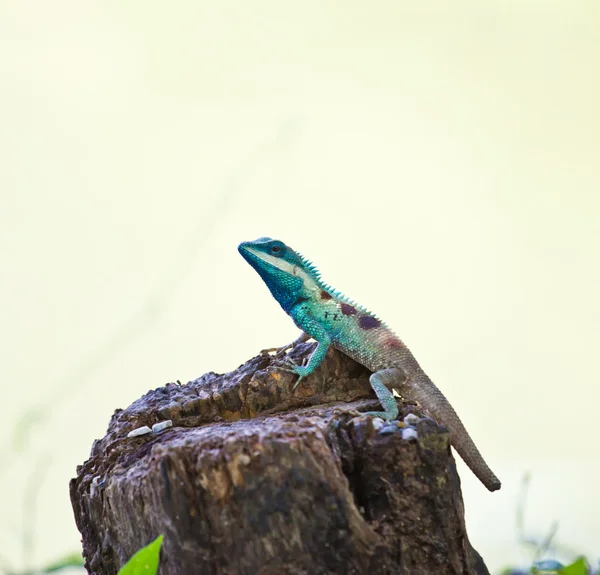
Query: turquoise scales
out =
(332, 319)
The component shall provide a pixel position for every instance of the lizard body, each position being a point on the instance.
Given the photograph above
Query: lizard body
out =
(330, 318)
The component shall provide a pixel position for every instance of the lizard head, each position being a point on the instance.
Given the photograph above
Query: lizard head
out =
(288, 275)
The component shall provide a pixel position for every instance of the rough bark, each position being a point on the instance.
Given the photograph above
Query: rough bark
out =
(254, 478)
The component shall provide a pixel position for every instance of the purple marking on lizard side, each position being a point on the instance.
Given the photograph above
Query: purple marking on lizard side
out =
(394, 342)
(368, 322)
(347, 309)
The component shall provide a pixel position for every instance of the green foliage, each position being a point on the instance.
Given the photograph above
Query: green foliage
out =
(145, 561)
(579, 567)
(553, 567)
(74, 560)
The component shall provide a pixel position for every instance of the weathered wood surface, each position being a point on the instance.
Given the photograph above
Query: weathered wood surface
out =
(255, 478)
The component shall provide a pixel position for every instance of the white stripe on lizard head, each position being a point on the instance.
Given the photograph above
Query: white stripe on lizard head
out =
(287, 267)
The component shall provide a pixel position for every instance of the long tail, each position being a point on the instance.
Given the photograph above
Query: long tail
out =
(420, 388)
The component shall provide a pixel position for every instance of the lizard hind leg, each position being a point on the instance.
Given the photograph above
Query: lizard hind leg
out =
(281, 351)
(380, 380)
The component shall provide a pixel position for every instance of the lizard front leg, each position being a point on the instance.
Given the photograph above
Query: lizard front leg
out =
(311, 328)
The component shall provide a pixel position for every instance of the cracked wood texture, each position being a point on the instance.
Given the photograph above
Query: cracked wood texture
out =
(254, 478)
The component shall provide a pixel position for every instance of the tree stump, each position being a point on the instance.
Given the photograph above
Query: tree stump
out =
(254, 478)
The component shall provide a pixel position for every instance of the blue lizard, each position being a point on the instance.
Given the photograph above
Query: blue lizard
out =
(330, 318)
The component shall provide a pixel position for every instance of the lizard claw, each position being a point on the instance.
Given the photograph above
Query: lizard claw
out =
(279, 351)
(386, 416)
(301, 371)
(268, 350)
(345, 411)
(291, 367)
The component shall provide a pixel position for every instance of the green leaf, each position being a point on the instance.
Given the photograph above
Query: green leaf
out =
(145, 561)
(73, 560)
(552, 566)
(577, 568)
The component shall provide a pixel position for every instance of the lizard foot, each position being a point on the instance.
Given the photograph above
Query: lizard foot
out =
(344, 411)
(386, 416)
(291, 367)
(279, 351)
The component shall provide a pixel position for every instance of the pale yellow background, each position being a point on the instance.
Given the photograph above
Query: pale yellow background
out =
(439, 162)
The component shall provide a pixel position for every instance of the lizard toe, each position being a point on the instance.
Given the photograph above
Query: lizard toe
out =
(382, 414)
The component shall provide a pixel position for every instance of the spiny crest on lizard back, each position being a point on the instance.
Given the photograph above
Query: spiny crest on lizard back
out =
(289, 275)
(351, 305)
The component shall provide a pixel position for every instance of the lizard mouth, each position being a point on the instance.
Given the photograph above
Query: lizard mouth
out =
(259, 259)
(249, 254)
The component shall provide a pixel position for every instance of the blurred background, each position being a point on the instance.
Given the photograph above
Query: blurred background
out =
(439, 163)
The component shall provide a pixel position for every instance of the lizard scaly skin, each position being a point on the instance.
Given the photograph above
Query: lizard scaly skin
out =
(328, 317)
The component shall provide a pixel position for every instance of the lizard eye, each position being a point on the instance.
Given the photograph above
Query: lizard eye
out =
(277, 249)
